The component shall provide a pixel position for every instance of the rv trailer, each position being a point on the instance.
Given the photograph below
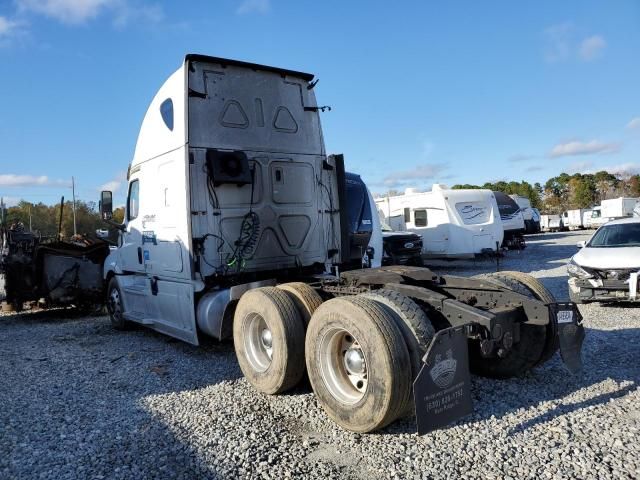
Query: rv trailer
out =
(529, 215)
(512, 221)
(574, 219)
(452, 223)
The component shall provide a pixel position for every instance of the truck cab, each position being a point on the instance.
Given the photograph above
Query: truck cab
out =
(229, 184)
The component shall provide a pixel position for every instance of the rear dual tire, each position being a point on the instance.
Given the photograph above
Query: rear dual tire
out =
(268, 334)
(537, 343)
(358, 363)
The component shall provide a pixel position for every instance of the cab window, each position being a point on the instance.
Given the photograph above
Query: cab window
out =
(133, 200)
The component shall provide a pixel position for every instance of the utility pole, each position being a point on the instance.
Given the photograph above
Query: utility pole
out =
(73, 193)
(30, 228)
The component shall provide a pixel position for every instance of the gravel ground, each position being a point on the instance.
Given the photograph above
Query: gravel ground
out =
(80, 400)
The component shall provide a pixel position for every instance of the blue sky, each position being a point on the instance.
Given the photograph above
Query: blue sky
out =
(422, 92)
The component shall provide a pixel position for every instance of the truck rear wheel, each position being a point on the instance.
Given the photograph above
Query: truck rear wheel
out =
(268, 335)
(537, 343)
(415, 326)
(358, 363)
(306, 298)
(115, 306)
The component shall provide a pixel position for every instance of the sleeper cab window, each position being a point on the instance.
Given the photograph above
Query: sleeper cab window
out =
(133, 200)
(420, 218)
(166, 110)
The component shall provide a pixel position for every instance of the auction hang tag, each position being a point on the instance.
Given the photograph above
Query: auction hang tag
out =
(442, 389)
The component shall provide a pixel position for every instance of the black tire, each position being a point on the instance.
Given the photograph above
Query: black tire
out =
(374, 329)
(280, 368)
(537, 343)
(306, 299)
(415, 326)
(115, 306)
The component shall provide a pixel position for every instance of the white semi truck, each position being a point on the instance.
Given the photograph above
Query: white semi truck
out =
(237, 225)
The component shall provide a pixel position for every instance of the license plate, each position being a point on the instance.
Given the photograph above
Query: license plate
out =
(565, 316)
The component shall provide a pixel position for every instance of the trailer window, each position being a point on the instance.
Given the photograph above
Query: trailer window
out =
(133, 198)
(420, 218)
(407, 215)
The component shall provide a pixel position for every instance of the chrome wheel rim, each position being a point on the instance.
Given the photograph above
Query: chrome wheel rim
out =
(258, 342)
(343, 366)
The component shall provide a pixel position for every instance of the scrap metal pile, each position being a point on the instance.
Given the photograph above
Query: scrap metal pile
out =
(60, 272)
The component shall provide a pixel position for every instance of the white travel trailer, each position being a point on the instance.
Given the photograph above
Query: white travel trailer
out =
(530, 215)
(512, 221)
(551, 223)
(618, 207)
(574, 219)
(453, 223)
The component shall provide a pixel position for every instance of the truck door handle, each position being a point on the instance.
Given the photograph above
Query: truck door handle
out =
(140, 255)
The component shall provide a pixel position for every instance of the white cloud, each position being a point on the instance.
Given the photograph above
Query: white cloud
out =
(420, 173)
(11, 201)
(115, 184)
(75, 12)
(592, 47)
(634, 124)
(558, 42)
(127, 13)
(579, 167)
(623, 169)
(8, 27)
(583, 148)
(254, 6)
(519, 157)
(66, 11)
(11, 180)
(534, 168)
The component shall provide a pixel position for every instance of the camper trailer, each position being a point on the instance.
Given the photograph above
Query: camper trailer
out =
(551, 223)
(618, 207)
(512, 221)
(574, 219)
(529, 215)
(452, 223)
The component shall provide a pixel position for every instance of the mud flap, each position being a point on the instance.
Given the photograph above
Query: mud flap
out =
(570, 335)
(442, 389)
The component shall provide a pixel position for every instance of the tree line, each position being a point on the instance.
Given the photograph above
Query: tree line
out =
(565, 192)
(44, 220)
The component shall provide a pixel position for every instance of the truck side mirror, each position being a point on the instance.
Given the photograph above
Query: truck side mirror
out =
(581, 244)
(106, 205)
